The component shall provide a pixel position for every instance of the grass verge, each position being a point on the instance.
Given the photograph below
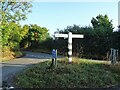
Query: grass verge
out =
(10, 55)
(79, 74)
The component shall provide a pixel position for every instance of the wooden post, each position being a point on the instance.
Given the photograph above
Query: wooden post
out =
(70, 47)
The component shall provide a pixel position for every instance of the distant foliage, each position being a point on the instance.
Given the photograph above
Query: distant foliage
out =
(12, 34)
(102, 24)
(35, 36)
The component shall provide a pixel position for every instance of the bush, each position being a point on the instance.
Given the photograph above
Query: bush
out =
(8, 54)
(116, 67)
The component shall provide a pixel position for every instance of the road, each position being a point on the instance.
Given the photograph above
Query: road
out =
(10, 68)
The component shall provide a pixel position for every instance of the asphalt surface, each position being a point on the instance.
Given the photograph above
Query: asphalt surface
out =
(10, 68)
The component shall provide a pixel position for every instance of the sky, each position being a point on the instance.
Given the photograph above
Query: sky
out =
(53, 15)
(119, 13)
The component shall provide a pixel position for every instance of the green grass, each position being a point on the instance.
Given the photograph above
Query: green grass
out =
(80, 73)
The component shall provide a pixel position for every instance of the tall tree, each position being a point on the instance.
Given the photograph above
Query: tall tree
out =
(102, 24)
(103, 28)
(11, 13)
(35, 35)
(14, 11)
(11, 33)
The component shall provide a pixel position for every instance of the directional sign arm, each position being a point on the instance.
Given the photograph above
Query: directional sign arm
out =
(77, 36)
(61, 35)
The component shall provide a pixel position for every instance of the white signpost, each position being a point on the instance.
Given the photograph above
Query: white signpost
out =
(69, 36)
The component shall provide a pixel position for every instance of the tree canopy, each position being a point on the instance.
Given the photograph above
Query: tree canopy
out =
(35, 35)
(11, 13)
(14, 11)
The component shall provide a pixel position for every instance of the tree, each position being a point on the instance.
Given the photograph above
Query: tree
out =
(14, 11)
(35, 35)
(103, 28)
(103, 23)
(12, 33)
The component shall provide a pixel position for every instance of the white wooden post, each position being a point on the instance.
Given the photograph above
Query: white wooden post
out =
(70, 47)
(69, 36)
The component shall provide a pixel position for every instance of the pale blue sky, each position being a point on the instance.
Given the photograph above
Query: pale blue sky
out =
(53, 15)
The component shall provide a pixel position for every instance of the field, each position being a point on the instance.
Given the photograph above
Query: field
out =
(81, 73)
